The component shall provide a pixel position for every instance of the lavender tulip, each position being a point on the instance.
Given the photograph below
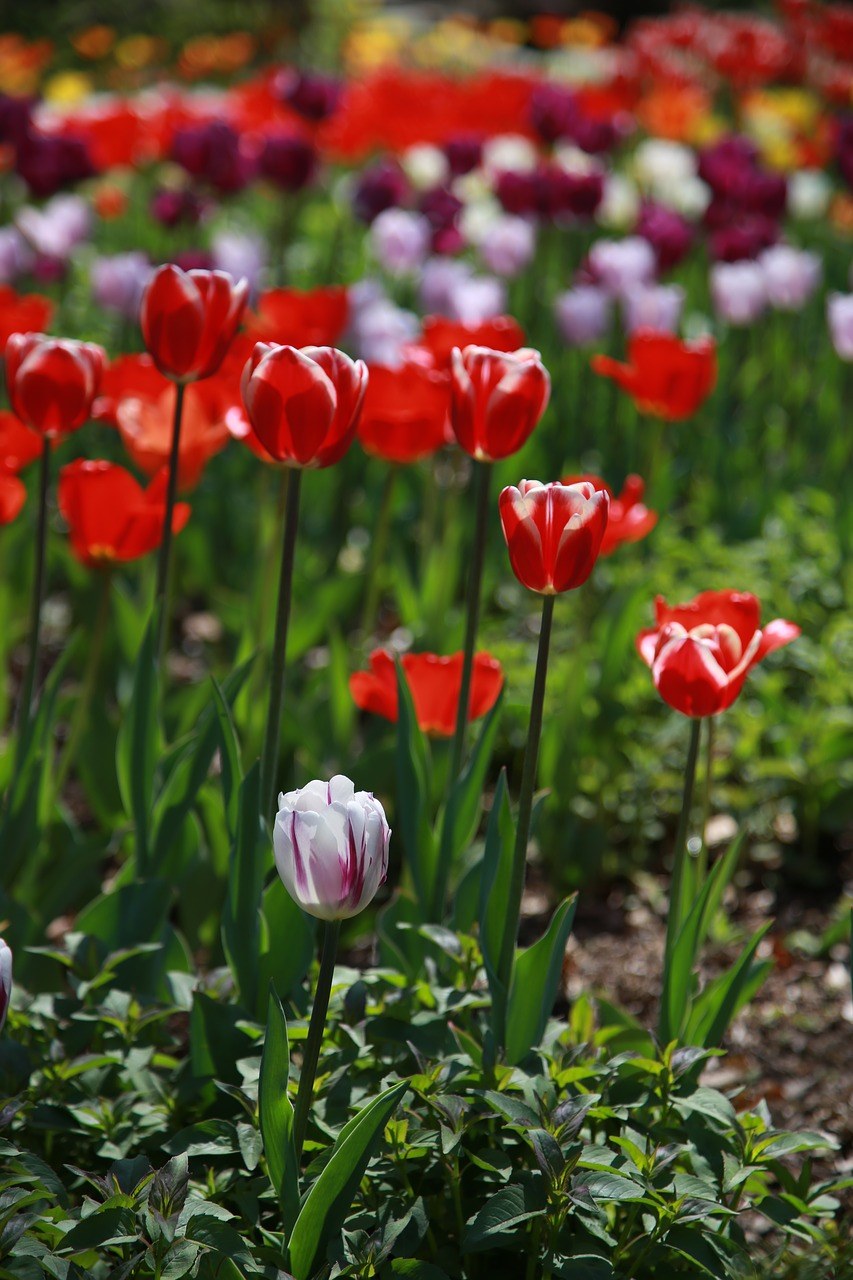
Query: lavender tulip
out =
(508, 245)
(16, 256)
(400, 240)
(242, 255)
(118, 282)
(739, 292)
(652, 306)
(55, 230)
(331, 847)
(583, 315)
(790, 275)
(839, 313)
(617, 265)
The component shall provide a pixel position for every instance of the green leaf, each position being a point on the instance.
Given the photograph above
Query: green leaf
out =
(241, 918)
(288, 941)
(502, 1213)
(720, 1001)
(138, 745)
(413, 797)
(460, 818)
(329, 1200)
(275, 1111)
(535, 980)
(495, 893)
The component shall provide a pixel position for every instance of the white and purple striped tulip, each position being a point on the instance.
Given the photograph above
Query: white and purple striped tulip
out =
(331, 847)
(5, 980)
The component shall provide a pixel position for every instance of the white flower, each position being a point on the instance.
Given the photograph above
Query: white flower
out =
(5, 980)
(425, 166)
(809, 191)
(509, 152)
(620, 203)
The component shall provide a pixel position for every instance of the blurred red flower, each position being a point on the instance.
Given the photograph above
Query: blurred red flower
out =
(303, 405)
(22, 313)
(19, 444)
(301, 318)
(13, 494)
(405, 412)
(664, 376)
(440, 336)
(553, 533)
(110, 516)
(52, 382)
(629, 520)
(434, 683)
(700, 653)
(189, 319)
(497, 399)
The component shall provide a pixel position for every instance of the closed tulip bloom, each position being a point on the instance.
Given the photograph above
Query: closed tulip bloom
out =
(553, 533)
(5, 980)
(405, 412)
(435, 684)
(189, 319)
(52, 382)
(111, 518)
(304, 404)
(497, 399)
(331, 847)
(664, 376)
(790, 276)
(652, 306)
(839, 313)
(583, 314)
(700, 653)
(617, 265)
(738, 291)
(629, 519)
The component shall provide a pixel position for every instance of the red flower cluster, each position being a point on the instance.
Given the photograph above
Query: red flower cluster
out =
(700, 653)
(664, 376)
(435, 684)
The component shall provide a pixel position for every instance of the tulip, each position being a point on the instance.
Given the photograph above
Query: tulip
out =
(145, 426)
(508, 246)
(839, 313)
(628, 519)
(553, 533)
(311, 318)
(331, 851)
(13, 495)
(110, 517)
(118, 282)
(441, 336)
(52, 382)
(304, 408)
(288, 161)
(583, 315)
(738, 292)
(790, 276)
(618, 264)
(400, 241)
(664, 376)
(189, 320)
(5, 980)
(669, 234)
(700, 653)
(405, 413)
(498, 398)
(19, 444)
(653, 306)
(435, 684)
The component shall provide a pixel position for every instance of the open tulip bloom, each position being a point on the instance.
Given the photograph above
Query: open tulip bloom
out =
(434, 683)
(629, 519)
(664, 376)
(110, 517)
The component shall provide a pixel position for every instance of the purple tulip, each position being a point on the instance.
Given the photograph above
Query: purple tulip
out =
(55, 230)
(670, 235)
(652, 306)
(790, 276)
(583, 315)
(118, 282)
(464, 153)
(618, 265)
(738, 291)
(16, 256)
(508, 246)
(49, 162)
(839, 314)
(473, 299)
(174, 207)
(382, 186)
(439, 279)
(288, 161)
(400, 240)
(313, 95)
(214, 153)
(242, 255)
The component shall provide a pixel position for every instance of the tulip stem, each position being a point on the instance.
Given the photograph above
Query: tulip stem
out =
(482, 484)
(330, 933)
(164, 558)
(525, 808)
(28, 690)
(676, 895)
(378, 547)
(272, 733)
(90, 679)
(702, 860)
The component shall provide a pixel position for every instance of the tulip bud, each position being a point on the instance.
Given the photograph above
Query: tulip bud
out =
(52, 382)
(304, 404)
(189, 319)
(331, 847)
(5, 980)
(498, 398)
(553, 533)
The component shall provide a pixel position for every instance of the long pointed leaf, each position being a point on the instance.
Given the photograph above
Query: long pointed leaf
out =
(241, 922)
(275, 1112)
(535, 979)
(495, 892)
(413, 797)
(721, 999)
(138, 745)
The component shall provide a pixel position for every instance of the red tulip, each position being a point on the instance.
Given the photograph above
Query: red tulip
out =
(498, 398)
(434, 683)
(440, 336)
(110, 516)
(52, 382)
(13, 494)
(701, 652)
(553, 532)
(19, 444)
(146, 431)
(405, 412)
(303, 318)
(189, 319)
(22, 313)
(664, 376)
(629, 519)
(303, 404)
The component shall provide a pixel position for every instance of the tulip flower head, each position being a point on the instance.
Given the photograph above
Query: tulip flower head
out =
(189, 319)
(664, 376)
(5, 980)
(435, 684)
(839, 314)
(22, 313)
(497, 399)
(13, 495)
(553, 533)
(303, 404)
(52, 382)
(110, 517)
(629, 519)
(405, 412)
(700, 653)
(331, 847)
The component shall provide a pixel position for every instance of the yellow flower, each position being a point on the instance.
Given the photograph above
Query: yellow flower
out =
(67, 88)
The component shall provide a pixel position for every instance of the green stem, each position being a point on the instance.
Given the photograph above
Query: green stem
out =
(164, 558)
(272, 733)
(90, 679)
(25, 708)
(525, 804)
(676, 903)
(702, 859)
(482, 479)
(304, 1096)
(378, 548)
